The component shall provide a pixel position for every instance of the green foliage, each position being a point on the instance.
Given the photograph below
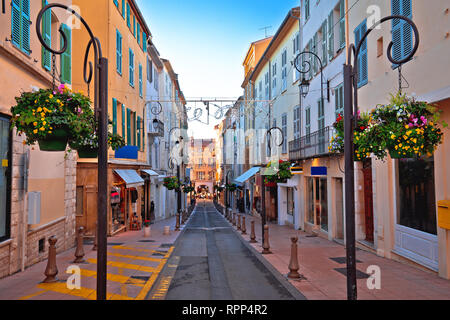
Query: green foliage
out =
(172, 183)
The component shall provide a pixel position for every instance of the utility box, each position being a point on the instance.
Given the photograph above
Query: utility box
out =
(444, 214)
(34, 207)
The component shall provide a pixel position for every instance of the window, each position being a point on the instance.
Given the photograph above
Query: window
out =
(285, 133)
(402, 33)
(131, 68)
(339, 96)
(284, 70)
(140, 81)
(47, 35)
(66, 57)
(144, 41)
(5, 179)
(267, 85)
(129, 141)
(342, 24)
(315, 49)
(156, 79)
(20, 24)
(290, 201)
(307, 9)
(321, 115)
(296, 51)
(362, 57)
(119, 52)
(134, 26)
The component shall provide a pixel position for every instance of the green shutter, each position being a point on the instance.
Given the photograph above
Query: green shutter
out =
(134, 26)
(15, 23)
(114, 116)
(46, 33)
(330, 36)
(140, 81)
(128, 16)
(119, 52)
(144, 41)
(134, 129)
(139, 132)
(139, 34)
(128, 127)
(342, 23)
(20, 24)
(116, 3)
(26, 26)
(66, 57)
(123, 122)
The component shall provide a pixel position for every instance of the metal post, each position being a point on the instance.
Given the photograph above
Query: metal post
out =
(102, 178)
(178, 192)
(349, 184)
(263, 208)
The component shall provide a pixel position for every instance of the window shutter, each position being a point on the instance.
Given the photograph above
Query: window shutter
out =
(119, 51)
(128, 127)
(116, 3)
(46, 33)
(139, 132)
(342, 24)
(66, 57)
(139, 34)
(134, 26)
(144, 41)
(26, 26)
(140, 81)
(131, 67)
(324, 43)
(330, 36)
(114, 116)
(402, 33)
(16, 34)
(362, 58)
(123, 8)
(123, 122)
(128, 16)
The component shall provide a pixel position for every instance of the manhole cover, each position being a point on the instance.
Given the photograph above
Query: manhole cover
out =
(342, 260)
(359, 274)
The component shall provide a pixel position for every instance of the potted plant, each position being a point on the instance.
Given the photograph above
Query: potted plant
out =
(49, 117)
(171, 183)
(147, 228)
(274, 175)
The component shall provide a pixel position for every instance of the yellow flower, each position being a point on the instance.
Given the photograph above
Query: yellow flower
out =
(42, 129)
(39, 109)
(43, 115)
(49, 132)
(408, 133)
(393, 137)
(50, 96)
(35, 131)
(35, 124)
(44, 123)
(58, 101)
(406, 127)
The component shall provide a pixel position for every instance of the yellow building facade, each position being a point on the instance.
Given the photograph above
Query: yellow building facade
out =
(123, 35)
(30, 177)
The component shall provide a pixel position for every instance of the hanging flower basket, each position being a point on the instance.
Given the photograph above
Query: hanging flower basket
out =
(406, 128)
(274, 175)
(188, 189)
(231, 187)
(171, 183)
(55, 142)
(271, 184)
(50, 118)
(87, 153)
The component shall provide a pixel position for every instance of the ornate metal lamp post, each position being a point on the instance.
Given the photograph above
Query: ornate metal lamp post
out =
(101, 114)
(230, 175)
(171, 167)
(350, 118)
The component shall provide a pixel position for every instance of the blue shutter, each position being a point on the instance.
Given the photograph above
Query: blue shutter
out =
(46, 33)
(139, 132)
(116, 3)
(139, 34)
(362, 57)
(114, 116)
(140, 81)
(123, 122)
(16, 35)
(119, 52)
(66, 57)
(123, 8)
(128, 16)
(131, 67)
(26, 26)
(402, 33)
(144, 41)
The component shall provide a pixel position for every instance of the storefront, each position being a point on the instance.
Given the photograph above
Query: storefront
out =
(247, 182)
(289, 194)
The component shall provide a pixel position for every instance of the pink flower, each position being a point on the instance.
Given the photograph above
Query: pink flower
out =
(424, 120)
(410, 125)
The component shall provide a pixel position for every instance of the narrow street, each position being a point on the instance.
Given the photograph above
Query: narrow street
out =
(214, 264)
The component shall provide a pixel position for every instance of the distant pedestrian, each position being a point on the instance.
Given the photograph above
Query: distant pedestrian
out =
(152, 212)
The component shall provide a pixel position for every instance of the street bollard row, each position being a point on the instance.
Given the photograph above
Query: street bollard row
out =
(79, 252)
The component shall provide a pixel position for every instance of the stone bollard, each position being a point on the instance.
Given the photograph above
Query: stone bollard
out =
(183, 217)
(239, 222)
(79, 252)
(266, 246)
(234, 219)
(293, 264)
(166, 231)
(252, 233)
(94, 248)
(51, 271)
(177, 226)
(243, 227)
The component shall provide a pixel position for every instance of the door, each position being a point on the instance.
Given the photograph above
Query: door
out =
(368, 200)
(339, 209)
(5, 178)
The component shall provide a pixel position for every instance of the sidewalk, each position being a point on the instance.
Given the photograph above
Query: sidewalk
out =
(323, 282)
(134, 263)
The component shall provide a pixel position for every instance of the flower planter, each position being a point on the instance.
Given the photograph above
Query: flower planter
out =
(271, 184)
(87, 153)
(56, 143)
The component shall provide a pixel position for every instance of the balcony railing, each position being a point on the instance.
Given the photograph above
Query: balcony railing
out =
(310, 146)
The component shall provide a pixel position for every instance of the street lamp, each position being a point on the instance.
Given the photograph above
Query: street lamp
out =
(304, 87)
(101, 115)
(350, 119)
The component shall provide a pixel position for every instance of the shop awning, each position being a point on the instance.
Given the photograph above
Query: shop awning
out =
(131, 178)
(247, 175)
(151, 173)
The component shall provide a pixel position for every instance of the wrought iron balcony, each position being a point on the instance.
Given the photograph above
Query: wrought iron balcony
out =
(310, 146)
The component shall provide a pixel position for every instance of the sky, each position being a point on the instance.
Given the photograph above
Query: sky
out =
(206, 42)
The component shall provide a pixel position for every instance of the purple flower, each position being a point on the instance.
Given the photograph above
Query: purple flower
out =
(424, 120)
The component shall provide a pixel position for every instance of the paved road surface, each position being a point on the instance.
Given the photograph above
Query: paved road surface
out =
(214, 264)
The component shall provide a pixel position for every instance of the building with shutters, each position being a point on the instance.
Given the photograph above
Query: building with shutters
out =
(400, 215)
(124, 37)
(37, 189)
